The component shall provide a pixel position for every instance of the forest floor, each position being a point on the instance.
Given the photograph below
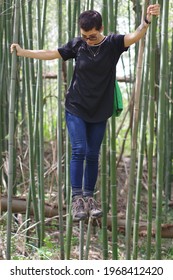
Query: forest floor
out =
(51, 249)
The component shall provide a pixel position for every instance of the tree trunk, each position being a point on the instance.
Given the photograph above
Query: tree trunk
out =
(19, 206)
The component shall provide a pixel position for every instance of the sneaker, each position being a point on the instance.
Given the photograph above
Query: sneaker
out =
(78, 208)
(93, 208)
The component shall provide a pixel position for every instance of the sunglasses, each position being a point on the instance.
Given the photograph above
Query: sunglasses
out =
(91, 37)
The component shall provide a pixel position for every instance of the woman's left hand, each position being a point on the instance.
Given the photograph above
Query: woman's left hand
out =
(153, 10)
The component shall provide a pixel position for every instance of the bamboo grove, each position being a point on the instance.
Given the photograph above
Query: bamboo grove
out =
(34, 146)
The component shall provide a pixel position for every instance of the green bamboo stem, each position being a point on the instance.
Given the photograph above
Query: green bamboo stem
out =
(69, 76)
(6, 69)
(69, 223)
(8, 15)
(92, 5)
(144, 114)
(11, 128)
(75, 6)
(88, 4)
(2, 59)
(1, 30)
(115, 16)
(59, 137)
(105, 15)
(169, 144)
(113, 190)
(104, 198)
(167, 159)
(31, 61)
(43, 21)
(32, 188)
(160, 130)
(88, 236)
(113, 183)
(151, 132)
(3, 107)
(171, 121)
(103, 161)
(130, 53)
(69, 229)
(81, 240)
(134, 148)
(40, 129)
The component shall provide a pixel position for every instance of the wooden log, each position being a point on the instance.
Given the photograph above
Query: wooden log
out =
(166, 229)
(121, 79)
(19, 206)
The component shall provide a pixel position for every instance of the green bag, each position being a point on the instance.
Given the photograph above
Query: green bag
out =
(118, 101)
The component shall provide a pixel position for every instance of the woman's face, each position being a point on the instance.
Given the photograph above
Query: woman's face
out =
(92, 37)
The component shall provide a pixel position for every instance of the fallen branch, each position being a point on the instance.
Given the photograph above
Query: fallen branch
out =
(121, 79)
(166, 229)
(19, 206)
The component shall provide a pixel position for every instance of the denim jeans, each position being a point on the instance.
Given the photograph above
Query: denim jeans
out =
(86, 139)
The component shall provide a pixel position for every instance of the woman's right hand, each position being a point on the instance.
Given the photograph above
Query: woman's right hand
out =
(37, 54)
(17, 48)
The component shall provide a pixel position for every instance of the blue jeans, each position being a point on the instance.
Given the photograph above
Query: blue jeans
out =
(86, 139)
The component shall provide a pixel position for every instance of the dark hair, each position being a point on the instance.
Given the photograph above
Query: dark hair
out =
(89, 20)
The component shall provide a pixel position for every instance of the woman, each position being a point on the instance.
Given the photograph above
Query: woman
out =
(89, 98)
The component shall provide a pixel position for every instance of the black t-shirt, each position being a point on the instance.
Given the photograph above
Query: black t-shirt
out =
(91, 91)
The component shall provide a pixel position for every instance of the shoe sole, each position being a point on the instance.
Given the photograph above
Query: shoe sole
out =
(80, 218)
(99, 215)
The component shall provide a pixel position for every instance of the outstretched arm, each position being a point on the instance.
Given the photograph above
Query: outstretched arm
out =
(131, 38)
(38, 54)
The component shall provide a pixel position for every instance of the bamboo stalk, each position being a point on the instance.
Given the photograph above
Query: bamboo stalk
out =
(59, 136)
(88, 239)
(81, 240)
(11, 128)
(40, 128)
(160, 130)
(2, 59)
(32, 188)
(103, 162)
(69, 223)
(1, 117)
(114, 190)
(134, 146)
(113, 183)
(75, 6)
(104, 198)
(169, 130)
(31, 62)
(144, 114)
(151, 131)
(69, 227)
(7, 24)
(43, 21)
